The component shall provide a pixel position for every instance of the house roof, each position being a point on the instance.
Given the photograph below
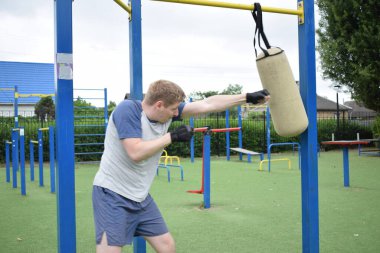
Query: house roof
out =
(30, 78)
(324, 104)
(358, 109)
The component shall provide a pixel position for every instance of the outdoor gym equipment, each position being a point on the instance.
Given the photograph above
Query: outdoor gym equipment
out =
(18, 158)
(66, 228)
(270, 145)
(40, 143)
(239, 149)
(206, 165)
(166, 161)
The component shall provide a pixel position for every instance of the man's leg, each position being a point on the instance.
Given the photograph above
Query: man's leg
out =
(104, 248)
(162, 243)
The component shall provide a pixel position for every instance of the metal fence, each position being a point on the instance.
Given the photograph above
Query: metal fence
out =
(254, 132)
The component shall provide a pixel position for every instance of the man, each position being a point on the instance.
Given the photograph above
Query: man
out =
(135, 138)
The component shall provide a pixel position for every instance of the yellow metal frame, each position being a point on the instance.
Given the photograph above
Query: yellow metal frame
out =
(44, 129)
(274, 160)
(126, 7)
(18, 95)
(167, 158)
(250, 7)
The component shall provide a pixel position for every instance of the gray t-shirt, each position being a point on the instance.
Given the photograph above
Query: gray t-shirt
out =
(117, 171)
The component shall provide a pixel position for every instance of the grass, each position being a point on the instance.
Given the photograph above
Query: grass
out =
(251, 211)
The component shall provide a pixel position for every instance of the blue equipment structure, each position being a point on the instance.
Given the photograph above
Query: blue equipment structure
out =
(18, 159)
(239, 149)
(40, 143)
(90, 124)
(270, 145)
(65, 115)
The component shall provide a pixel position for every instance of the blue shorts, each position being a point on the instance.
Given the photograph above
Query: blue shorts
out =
(122, 219)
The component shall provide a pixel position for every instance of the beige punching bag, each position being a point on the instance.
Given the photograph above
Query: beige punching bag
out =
(287, 110)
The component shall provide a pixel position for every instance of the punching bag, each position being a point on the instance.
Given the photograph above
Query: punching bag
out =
(287, 110)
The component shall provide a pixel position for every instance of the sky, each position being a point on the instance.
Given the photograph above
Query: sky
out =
(200, 48)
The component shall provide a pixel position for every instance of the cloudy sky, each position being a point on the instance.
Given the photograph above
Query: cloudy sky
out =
(200, 48)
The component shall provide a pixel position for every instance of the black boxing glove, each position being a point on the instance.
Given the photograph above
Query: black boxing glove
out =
(256, 97)
(182, 134)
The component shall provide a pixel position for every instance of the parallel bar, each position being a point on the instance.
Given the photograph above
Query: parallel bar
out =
(35, 95)
(219, 130)
(234, 6)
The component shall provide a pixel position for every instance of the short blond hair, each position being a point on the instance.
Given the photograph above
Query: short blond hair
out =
(166, 91)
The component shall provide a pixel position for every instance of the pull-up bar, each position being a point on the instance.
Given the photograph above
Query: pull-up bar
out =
(33, 95)
(249, 7)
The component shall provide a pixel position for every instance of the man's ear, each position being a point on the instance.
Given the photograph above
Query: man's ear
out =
(159, 104)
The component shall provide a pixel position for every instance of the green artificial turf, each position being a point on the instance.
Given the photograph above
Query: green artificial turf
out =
(251, 211)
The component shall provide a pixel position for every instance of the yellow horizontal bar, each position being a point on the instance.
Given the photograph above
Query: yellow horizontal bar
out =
(123, 5)
(43, 129)
(35, 95)
(8, 142)
(35, 142)
(249, 7)
(7, 88)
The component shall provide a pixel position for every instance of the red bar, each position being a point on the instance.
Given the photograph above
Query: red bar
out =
(222, 130)
(200, 129)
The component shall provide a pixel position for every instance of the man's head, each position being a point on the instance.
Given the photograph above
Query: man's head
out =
(163, 97)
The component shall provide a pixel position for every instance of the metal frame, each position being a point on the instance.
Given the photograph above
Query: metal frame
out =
(65, 125)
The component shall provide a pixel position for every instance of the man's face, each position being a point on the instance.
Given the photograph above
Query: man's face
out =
(167, 112)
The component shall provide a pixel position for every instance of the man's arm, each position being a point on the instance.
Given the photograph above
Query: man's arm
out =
(219, 103)
(139, 150)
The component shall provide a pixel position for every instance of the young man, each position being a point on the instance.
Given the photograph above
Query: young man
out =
(135, 138)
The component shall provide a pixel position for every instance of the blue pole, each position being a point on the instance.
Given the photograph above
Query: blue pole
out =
(41, 157)
(105, 108)
(31, 156)
(14, 157)
(192, 138)
(207, 165)
(22, 161)
(240, 124)
(135, 65)
(346, 168)
(66, 228)
(16, 106)
(7, 163)
(309, 159)
(268, 137)
(52, 158)
(228, 144)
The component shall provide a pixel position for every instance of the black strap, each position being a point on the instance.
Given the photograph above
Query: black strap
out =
(257, 15)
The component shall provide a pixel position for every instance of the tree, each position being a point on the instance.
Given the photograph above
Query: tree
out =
(349, 46)
(232, 89)
(44, 109)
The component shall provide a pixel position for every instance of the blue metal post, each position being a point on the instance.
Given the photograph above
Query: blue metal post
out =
(14, 156)
(22, 161)
(135, 65)
(105, 108)
(41, 157)
(228, 145)
(207, 167)
(66, 228)
(309, 159)
(15, 106)
(240, 124)
(268, 137)
(52, 158)
(192, 138)
(31, 156)
(135, 50)
(346, 167)
(7, 163)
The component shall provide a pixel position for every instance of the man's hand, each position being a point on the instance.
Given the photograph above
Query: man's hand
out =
(257, 97)
(182, 134)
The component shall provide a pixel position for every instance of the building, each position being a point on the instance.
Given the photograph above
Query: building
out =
(31, 79)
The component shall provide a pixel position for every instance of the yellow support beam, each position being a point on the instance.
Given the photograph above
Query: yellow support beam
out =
(124, 6)
(250, 7)
(33, 95)
(43, 129)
